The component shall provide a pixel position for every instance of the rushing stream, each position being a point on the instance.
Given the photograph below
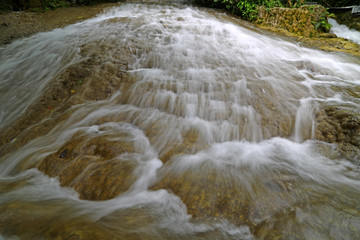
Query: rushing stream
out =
(344, 32)
(207, 133)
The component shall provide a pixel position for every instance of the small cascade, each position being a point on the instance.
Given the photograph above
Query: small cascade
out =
(344, 31)
(175, 122)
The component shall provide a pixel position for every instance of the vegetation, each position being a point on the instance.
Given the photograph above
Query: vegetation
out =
(19, 5)
(41, 5)
(247, 9)
(52, 4)
(323, 23)
(7, 5)
(338, 3)
(89, 2)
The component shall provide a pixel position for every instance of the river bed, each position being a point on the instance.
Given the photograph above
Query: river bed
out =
(168, 121)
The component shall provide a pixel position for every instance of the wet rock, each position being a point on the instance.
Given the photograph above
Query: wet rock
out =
(92, 166)
(212, 193)
(328, 35)
(298, 24)
(189, 145)
(96, 78)
(298, 21)
(204, 201)
(41, 220)
(22, 24)
(348, 19)
(340, 126)
(63, 154)
(332, 45)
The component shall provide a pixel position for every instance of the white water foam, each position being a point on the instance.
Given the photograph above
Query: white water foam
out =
(216, 87)
(344, 31)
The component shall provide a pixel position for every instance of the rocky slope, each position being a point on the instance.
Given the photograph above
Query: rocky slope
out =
(15, 25)
(299, 23)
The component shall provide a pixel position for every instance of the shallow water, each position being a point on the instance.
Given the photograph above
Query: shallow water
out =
(213, 137)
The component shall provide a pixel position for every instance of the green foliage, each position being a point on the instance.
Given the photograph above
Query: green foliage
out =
(11, 5)
(90, 2)
(52, 4)
(311, 8)
(247, 9)
(6, 5)
(323, 23)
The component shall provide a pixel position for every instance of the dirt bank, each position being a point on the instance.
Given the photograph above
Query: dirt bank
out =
(15, 25)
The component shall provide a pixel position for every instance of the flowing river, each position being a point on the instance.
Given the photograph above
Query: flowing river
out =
(167, 121)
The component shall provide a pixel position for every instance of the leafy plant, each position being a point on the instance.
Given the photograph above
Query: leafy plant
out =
(89, 2)
(247, 9)
(7, 5)
(53, 4)
(323, 23)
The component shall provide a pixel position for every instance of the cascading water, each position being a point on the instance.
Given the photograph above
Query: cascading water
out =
(211, 136)
(344, 32)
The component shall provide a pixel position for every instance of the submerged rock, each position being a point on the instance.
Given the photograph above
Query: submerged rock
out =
(328, 35)
(216, 193)
(95, 78)
(48, 222)
(92, 166)
(340, 126)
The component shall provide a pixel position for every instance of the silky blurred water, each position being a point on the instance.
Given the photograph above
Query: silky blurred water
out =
(344, 31)
(214, 106)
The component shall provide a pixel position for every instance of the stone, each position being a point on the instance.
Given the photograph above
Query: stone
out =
(92, 166)
(342, 127)
(298, 21)
(221, 193)
(328, 35)
(63, 154)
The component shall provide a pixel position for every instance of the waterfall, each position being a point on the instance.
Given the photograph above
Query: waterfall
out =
(173, 122)
(344, 32)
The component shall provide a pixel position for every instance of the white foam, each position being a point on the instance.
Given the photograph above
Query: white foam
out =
(344, 31)
(200, 81)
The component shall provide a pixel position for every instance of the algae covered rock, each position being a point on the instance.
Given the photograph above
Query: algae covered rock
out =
(96, 167)
(340, 126)
(299, 21)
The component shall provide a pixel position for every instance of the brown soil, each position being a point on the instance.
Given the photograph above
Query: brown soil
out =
(15, 25)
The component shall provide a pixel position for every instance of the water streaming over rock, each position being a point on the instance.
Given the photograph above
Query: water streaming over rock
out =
(180, 123)
(344, 31)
